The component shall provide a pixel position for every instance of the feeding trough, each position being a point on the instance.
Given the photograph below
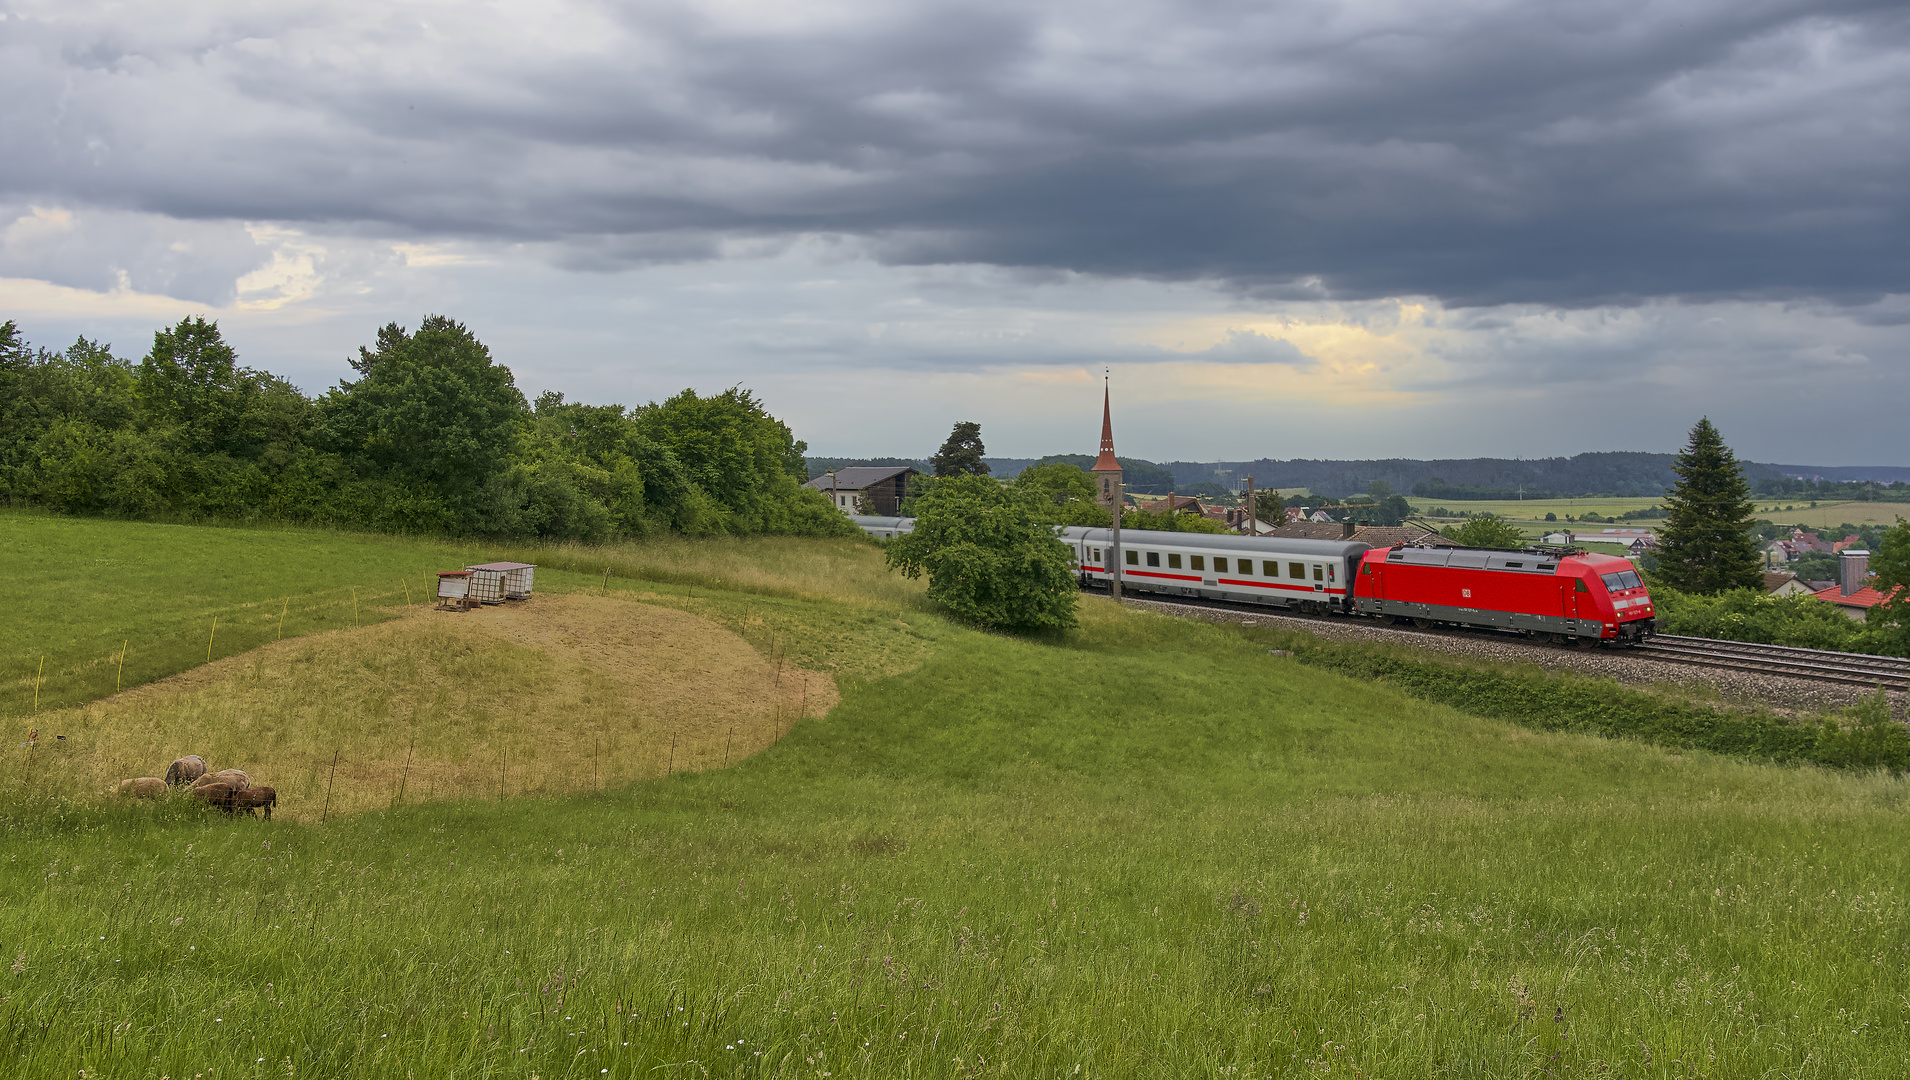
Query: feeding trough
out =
(454, 589)
(517, 578)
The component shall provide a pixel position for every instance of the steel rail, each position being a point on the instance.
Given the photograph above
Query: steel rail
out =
(1856, 669)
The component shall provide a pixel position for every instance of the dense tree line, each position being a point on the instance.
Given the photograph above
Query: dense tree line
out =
(431, 436)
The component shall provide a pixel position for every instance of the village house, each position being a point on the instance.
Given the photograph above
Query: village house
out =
(1785, 583)
(1804, 543)
(866, 489)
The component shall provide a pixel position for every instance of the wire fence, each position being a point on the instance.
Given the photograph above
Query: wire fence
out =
(47, 680)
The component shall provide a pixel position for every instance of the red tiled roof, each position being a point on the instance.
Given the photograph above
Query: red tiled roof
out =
(1864, 598)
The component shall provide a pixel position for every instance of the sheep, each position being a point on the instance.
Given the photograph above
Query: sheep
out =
(232, 778)
(218, 796)
(185, 770)
(255, 798)
(144, 787)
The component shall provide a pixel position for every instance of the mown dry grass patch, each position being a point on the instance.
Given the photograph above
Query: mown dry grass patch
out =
(561, 694)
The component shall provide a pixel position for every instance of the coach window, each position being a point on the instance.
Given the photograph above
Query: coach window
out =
(1196, 562)
(1133, 557)
(1271, 569)
(1318, 575)
(1220, 564)
(1153, 558)
(1173, 562)
(1097, 554)
(1296, 570)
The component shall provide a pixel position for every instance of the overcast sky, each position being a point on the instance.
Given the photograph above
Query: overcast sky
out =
(1417, 228)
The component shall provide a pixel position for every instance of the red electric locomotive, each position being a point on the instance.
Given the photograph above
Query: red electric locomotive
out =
(1562, 596)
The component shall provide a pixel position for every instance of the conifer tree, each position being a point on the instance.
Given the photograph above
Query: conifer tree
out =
(1706, 544)
(1269, 507)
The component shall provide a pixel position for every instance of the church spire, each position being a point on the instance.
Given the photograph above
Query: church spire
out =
(1107, 461)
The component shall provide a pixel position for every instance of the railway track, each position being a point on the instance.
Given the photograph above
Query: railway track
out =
(1857, 669)
(1850, 669)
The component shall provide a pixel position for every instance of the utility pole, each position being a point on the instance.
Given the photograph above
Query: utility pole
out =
(1252, 530)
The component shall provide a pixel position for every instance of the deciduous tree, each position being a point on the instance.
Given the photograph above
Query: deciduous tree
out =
(987, 558)
(1890, 620)
(1486, 531)
(432, 414)
(962, 453)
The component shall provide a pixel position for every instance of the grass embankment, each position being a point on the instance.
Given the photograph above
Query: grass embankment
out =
(1149, 849)
(577, 690)
(1864, 737)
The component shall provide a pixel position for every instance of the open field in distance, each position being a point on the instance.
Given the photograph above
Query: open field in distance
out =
(1147, 848)
(1536, 509)
(1834, 514)
(1532, 512)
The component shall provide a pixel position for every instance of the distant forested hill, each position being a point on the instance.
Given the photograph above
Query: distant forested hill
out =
(1613, 473)
(1618, 473)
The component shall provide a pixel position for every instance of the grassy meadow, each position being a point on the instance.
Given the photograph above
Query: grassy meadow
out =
(1147, 848)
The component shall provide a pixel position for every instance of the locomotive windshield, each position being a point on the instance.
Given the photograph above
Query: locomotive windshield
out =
(1624, 579)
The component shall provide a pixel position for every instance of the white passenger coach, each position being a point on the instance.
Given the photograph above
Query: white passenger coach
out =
(1308, 575)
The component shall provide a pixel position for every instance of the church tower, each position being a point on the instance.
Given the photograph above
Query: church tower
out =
(1107, 469)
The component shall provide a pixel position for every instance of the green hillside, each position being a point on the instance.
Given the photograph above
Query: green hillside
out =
(1146, 849)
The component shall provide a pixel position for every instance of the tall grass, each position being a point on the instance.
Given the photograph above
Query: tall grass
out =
(789, 567)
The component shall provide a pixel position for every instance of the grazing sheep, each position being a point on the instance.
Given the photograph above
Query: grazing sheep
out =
(232, 778)
(217, 796)
(255, 798)
(144, 787)
(185, 770)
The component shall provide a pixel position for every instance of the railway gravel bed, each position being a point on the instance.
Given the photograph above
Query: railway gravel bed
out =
(1785, 695)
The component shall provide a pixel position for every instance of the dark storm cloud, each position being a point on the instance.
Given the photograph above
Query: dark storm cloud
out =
(1480, 153)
